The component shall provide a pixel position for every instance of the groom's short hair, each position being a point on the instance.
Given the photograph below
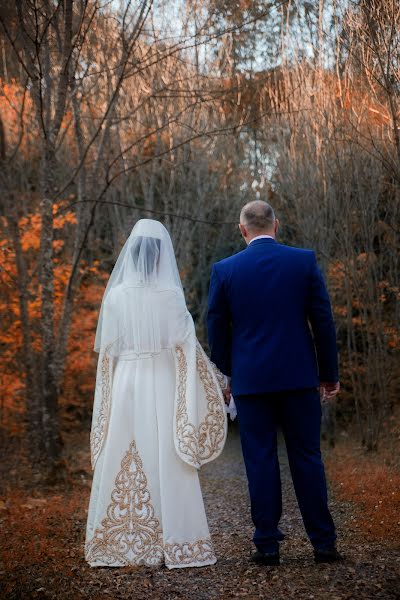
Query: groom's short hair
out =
(257, 216)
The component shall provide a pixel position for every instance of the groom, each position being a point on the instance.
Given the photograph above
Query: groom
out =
(271, 330)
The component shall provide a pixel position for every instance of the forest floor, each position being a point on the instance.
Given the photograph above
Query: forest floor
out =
(42, 539)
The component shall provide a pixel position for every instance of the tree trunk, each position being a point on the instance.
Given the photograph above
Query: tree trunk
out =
(51, 425)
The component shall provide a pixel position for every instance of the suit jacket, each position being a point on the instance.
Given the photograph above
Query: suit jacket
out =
(270, 324)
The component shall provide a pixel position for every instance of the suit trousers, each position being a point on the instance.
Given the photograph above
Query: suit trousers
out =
(298, 414)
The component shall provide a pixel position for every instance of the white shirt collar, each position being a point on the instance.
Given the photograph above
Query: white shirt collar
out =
(261, 237)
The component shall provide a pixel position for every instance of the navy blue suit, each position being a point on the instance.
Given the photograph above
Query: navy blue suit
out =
(270, 328)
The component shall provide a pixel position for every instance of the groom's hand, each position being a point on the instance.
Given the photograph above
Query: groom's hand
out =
(329, 390)
(227, 392)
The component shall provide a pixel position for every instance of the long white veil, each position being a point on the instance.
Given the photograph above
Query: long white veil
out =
(144, 312)
(130, 320)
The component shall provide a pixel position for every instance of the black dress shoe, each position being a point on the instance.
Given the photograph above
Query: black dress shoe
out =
(327, 556)
(269, 559)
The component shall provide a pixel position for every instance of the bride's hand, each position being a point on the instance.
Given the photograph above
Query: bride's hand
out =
(227, 391)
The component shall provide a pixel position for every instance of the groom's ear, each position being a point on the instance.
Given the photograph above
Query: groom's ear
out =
(243, 230)
(277, 225)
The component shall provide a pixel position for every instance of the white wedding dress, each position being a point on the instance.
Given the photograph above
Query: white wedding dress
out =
(158, 416)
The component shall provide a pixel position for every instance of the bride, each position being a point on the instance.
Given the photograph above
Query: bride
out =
(158, 415)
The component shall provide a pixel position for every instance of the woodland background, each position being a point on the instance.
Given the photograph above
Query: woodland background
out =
(184, 111)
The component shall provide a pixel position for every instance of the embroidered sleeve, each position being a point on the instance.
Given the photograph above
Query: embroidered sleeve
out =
(102, 405)
(221, 378)
(198, 439)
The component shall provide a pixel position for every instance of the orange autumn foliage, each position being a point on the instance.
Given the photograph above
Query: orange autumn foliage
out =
(34, 526)
(18, 118)
(17, 114)
(363, 313)
(80, 359)
(372, 487)
(357, 277)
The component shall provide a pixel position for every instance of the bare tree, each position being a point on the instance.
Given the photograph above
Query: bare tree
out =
(121, 120)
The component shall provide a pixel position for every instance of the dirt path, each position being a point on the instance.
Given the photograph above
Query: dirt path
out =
(370, 571)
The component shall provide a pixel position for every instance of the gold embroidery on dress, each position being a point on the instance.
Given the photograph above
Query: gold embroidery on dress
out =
(199, 444)
(99, 430)
(199, 552)
(130, 534)
(185, 431)
(222, 380)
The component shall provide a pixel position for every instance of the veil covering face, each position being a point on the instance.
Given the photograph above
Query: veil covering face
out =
(142, 296)
(151, 418)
